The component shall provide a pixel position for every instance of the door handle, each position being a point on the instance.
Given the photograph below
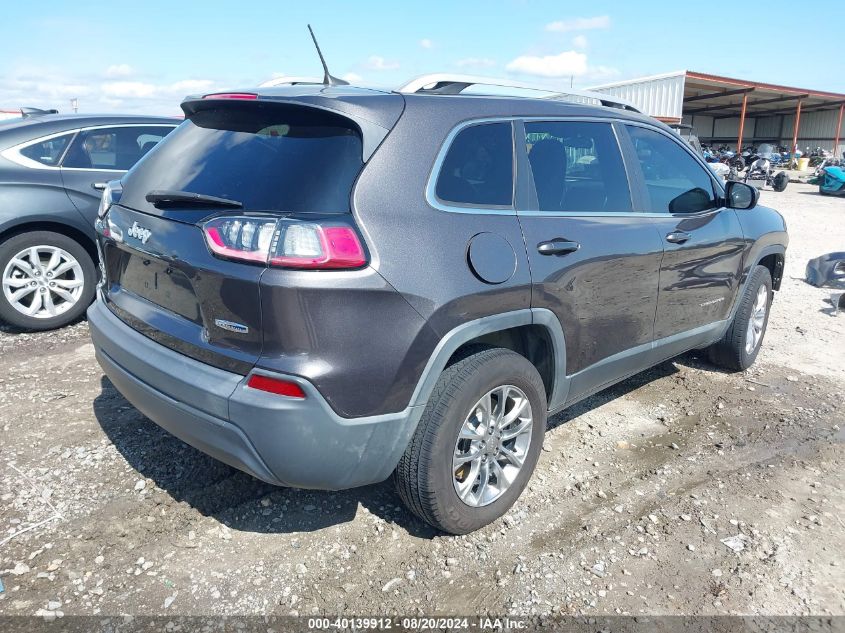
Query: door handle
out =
(99, 186)
(678, 237)
(557, 247)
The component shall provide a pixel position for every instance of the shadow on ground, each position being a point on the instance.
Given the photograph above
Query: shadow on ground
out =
(8, 328)
(619, 390)
(234, 498)
(229, 495)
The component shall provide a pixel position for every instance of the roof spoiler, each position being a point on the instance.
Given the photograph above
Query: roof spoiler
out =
(291, 81)
(453, 84)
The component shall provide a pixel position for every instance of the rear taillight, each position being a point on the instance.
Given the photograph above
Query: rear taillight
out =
(111, 194)
(247, 239)
(285, 243)
(275, 385)
(309, 245)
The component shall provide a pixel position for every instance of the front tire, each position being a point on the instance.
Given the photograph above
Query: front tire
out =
(47, 280)
(477, 442)
(741, 343)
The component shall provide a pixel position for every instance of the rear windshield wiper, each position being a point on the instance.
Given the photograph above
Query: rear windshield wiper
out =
(158, 197)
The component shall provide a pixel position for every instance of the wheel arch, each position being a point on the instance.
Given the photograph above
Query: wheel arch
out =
(62, 228)
(773, 258)
(535, 333)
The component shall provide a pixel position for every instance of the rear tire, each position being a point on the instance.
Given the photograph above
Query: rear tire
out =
(50, 294)
(437, 477)
(741, 343)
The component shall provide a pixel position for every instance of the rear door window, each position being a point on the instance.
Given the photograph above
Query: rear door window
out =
(477, 170)
(675, 181)
(47, 152)
(267, 157)
(113, 148)
(577, 167)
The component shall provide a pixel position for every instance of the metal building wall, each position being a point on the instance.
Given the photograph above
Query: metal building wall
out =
(660, 96)
(729, 128)
(701, 124)
(767, 127)
(816, 129)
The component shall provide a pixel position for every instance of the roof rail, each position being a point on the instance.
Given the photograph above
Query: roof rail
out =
(290, 81)
(453, 84)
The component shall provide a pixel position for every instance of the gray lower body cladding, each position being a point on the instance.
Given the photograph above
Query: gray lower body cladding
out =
(284, 441)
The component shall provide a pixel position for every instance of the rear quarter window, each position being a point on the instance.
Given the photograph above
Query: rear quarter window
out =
(47, 152)
(477, 170)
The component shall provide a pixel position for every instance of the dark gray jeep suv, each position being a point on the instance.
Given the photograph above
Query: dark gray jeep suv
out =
(325, 286)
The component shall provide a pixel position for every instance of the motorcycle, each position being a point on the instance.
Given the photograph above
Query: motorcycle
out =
(760, 172)
(818, 156)
(731, 159)
(829, 162)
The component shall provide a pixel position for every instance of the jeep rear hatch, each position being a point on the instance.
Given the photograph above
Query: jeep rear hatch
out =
(242, 185)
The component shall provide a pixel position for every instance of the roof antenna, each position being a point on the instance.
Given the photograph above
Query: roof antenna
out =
(328, 80)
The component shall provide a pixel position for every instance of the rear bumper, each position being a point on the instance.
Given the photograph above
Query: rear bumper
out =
(292, 442)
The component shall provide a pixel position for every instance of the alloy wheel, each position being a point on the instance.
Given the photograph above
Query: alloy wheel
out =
(492, 445)
(43, 281)
(757, 320)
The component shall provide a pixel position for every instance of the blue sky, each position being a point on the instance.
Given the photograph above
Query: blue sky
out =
(145, 56)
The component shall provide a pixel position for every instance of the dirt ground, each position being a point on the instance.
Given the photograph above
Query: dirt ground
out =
(636, 493)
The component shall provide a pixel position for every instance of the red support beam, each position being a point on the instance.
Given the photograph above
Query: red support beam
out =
(795, 127)
(742, 122)
(838, 128)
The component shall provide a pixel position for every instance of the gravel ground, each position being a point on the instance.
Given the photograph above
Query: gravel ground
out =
(684, 490)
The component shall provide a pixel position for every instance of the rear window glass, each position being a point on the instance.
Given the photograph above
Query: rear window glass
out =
(478, 168)
(269, 158)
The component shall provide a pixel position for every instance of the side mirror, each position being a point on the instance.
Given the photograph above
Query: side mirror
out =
(740, 195)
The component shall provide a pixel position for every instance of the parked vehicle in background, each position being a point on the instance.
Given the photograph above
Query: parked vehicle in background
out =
(685, 131)
(830, 161)
(53, 169)
(831, 181)
(325, 286)
(818, 156)
(723, 170)
(761, 173)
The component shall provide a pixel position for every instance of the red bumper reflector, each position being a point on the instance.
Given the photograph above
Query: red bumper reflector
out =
(275, 385)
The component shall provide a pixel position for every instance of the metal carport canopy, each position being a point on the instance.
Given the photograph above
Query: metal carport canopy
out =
(725, 97)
